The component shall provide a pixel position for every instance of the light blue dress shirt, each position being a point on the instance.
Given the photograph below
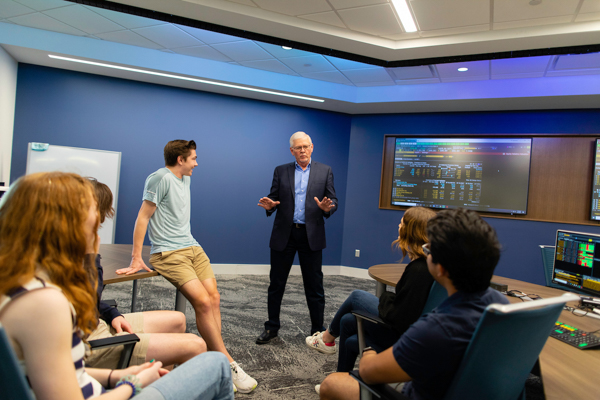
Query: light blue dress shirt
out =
(300, 185)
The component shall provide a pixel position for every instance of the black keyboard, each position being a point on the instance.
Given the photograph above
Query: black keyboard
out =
(575, 337)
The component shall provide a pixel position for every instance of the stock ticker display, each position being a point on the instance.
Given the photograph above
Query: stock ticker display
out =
(577, 261)
(596, 185)
(481, 174)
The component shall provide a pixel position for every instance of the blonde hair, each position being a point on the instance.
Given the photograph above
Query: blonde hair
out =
(413, 234)
(42, 229)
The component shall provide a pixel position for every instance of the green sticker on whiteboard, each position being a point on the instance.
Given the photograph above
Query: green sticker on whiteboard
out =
(39, 146)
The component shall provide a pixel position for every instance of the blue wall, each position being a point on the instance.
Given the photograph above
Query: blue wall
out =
(372, 230)
(240, 142)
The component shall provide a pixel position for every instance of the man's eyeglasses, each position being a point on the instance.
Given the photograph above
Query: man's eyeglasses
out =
(426, 249)
(298, 148)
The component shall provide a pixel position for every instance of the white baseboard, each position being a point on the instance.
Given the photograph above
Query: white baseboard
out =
(263, 269)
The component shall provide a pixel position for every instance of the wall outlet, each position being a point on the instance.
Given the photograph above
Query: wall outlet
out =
(356, 253)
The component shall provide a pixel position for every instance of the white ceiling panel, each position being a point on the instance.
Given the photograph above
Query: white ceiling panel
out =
(82, 18)
(168, 36)
(419, 72)
(294, 7)
(373, 84)
(329, 18)
(436, 14)
(512, 10)
(209, 37)
(42, 21)
(130, 38)
(280, 52)
(303, 65)
(565, 19)
(343, 64)
(595, 16)
(244, 2)
(243, 51)
(203, 52)
(41, 5)
(520, 65)
(341, 4)
(590, 6)
(376, 20)
(578, 61)
(455, 31)
(269, 65)
(9, 8)
(329, 76)
(417, 81)
(127, 20)
(368, 75)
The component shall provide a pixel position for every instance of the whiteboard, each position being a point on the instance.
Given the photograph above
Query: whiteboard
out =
(103, 165)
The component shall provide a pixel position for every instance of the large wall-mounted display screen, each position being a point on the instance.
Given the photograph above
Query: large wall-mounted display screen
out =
(596, 184)
(482, 174)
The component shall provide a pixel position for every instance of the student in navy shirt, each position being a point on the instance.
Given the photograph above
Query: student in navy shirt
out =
(462, 253)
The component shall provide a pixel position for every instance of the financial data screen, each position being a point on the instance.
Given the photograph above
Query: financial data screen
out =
(577, 261)
(596, 184)
(482, 174)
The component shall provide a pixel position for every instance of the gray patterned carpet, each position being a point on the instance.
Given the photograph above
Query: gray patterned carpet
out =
(284, 368)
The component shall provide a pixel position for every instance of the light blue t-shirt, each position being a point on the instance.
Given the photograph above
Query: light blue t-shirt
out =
(169, 228)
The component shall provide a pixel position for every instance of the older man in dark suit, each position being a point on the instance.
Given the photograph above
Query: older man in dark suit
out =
(303, 195)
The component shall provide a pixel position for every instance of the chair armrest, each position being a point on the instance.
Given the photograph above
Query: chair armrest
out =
(114, 341)
(127, 341)
(110, 302)
(368, 316)
(381, 391)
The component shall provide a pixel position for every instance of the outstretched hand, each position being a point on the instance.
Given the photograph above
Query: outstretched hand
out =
(325, 204)
(267, 203)
(137, 264)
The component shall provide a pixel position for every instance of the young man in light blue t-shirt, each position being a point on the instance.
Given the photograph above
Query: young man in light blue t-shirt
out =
(175, 254)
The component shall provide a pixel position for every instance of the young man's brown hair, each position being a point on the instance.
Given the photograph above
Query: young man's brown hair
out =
(176, 148)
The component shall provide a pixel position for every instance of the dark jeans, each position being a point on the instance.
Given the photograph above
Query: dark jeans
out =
(312, 277)
(344, 326)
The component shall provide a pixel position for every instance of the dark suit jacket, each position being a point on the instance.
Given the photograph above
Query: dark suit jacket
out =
(320, 184)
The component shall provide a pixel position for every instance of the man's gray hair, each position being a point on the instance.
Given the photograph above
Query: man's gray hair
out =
(299, 135)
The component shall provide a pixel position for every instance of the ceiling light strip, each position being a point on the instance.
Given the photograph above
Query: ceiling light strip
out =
(405, 16)
(185, 78)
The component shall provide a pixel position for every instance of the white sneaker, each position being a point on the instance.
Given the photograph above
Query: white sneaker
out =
(241, 380)
(234, 388)
(318, 389)
(316, 342)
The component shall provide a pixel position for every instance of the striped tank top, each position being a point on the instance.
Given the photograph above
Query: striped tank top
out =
(89, 386)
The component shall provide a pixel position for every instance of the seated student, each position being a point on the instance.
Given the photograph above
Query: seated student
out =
(463, 251)
(48, 301)
(399, 310)
(161, 333)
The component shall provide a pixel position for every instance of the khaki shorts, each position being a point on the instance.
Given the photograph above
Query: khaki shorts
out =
(108, 357)
(183, 265)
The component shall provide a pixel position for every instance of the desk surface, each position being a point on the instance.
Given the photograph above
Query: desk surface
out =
(567, 372)
(117, 256)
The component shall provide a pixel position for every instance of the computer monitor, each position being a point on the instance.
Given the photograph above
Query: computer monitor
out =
(577, 262)
(595, 212)
(489, 174)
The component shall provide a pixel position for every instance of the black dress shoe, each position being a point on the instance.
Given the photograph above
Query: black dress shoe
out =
(266, 337)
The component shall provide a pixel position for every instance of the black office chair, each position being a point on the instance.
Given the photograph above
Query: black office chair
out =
(127, 341)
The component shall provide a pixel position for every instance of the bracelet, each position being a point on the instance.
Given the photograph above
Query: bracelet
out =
(109, 375)
(369, 348)
(132, 381)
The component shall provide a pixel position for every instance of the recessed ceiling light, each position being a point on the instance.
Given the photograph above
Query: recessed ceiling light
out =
(286, 47)
(185, 78)
(405, 16)
(463, 69)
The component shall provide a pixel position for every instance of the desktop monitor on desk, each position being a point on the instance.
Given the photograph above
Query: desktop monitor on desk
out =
(577, 262)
